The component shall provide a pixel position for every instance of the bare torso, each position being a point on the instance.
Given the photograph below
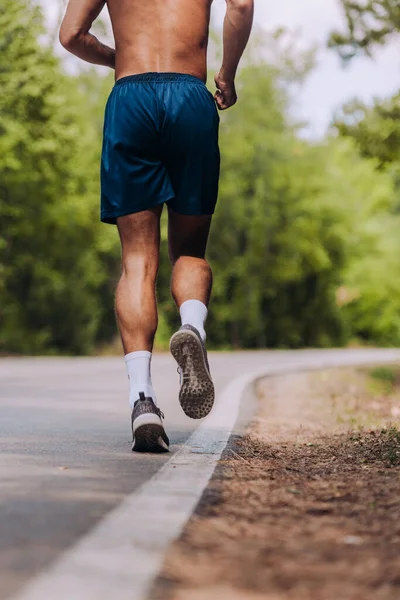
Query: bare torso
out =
(160, 35)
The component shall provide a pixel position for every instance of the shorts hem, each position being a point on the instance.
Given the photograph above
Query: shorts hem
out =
(111, 218)
(192, 213)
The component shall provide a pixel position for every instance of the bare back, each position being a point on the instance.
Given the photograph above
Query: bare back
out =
(160, 35)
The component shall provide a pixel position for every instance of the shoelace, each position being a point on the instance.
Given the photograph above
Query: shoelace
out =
(159, 412)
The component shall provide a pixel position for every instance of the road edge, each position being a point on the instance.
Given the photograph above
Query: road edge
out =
(122, 555)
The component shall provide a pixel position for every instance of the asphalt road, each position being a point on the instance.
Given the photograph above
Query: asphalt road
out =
(65, 458)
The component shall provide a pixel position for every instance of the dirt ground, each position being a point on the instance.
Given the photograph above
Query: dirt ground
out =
(307, 505)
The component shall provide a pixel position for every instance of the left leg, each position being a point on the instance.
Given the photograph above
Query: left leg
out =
(135, 300)
(136, 311)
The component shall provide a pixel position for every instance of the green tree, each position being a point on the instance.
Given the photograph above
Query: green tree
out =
(369, 23)
(372, 309)
(376, 128)
(302, 239)
(372, 282)
(50, 268)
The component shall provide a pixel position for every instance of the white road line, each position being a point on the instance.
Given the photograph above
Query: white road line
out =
(123, 554)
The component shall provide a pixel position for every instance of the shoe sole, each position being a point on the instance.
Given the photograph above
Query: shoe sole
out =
(197, 392)
(149, 436)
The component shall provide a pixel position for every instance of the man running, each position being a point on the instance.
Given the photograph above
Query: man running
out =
(161, 147)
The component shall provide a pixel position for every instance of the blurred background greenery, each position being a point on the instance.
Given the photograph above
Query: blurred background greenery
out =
(305, 244)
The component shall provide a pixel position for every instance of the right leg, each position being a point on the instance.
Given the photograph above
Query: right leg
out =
(191, 289)
(193, 166)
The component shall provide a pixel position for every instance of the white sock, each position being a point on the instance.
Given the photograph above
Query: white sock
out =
(194, 312)
(138, 369)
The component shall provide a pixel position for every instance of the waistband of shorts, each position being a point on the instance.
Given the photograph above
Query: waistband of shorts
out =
(160, 78)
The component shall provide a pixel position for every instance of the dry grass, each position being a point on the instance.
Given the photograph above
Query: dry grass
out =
(302, 508)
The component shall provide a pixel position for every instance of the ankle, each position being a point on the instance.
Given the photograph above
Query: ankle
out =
(138, 366)
(135, 391)
(194, 313)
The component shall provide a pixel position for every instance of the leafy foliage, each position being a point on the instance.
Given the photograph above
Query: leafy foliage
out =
(303, 245)
(374, 277)
(376, 129)
(50, 270)
(369, 23)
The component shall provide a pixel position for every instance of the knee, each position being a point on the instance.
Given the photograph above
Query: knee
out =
(186, 252)
(139, 267)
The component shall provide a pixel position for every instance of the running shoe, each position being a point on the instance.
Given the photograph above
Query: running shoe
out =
(147, 427)
(197, 389)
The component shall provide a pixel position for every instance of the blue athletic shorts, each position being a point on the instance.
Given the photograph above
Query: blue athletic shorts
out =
(160, 145)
